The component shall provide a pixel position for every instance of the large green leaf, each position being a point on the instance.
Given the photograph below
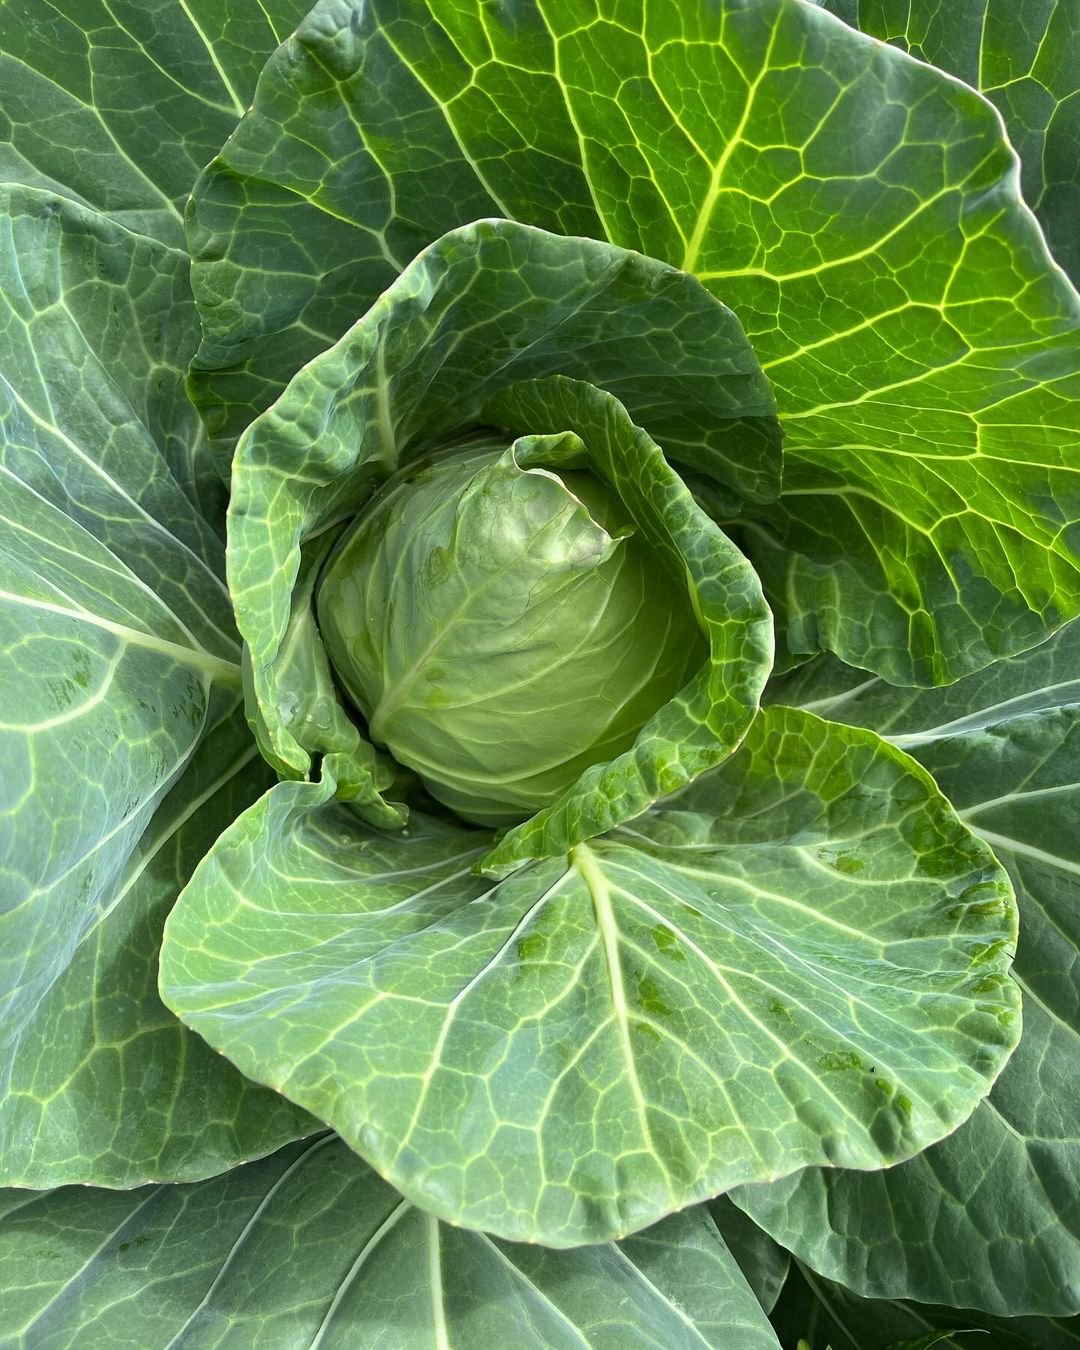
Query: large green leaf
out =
(375, 129)
(831, 1317)
(489, 305)
(990, 1217)
(117, 655)
(765, 1264)
(120, 103)
(103, 1083)
(309, 1248)
(111, 581)
(807, 960)
(1026, 59)
(924, 351)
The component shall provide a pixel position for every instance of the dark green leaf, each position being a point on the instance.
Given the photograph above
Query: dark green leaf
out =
(830, 1317)
(310, 1249)
(120, 103)
(1026, 59)
(761, 1260)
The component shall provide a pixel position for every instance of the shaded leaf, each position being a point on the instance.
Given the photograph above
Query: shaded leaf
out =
(1026, 60)
(831, 1317)
(309, 1248)
(761, 1260)
(119, 103)
(990, 1217)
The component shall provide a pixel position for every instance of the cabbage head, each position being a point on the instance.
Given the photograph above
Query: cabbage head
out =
(463, 559)
(556, 924)
(503, 627)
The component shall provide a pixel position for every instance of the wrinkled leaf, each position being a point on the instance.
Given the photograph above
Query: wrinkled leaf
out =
(990, 1217)
(710, 715)
(808, 960)
(924, 351)
(371, 134)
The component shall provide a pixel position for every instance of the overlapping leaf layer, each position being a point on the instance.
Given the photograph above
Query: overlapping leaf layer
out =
(759, 953)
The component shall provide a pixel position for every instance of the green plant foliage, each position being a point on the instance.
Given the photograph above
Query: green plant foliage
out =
(310, 1248)
(119, 750)
(599, 1039)
(539, 648)
(1023, 57)
(119, 103)
(989, 1217)
(820, 1315)
(765, 1265)
(458, 324)
(924, 355)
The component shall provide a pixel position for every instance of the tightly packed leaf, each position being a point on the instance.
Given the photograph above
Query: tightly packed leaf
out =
(502, 627)
(558, 342)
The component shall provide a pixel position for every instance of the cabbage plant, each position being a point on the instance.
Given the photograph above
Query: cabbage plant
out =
(540, 752)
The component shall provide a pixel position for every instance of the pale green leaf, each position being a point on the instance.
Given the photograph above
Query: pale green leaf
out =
(117, 656)
(102, 1083)
(808, 960)
(110, 583)
(710, 715)
(924, 350)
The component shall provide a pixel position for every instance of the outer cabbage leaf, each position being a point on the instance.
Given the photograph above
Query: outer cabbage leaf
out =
(119, 103)
(924, 350)
(104, 1083)
(990, 1217)
(831, 1317)
(309, 1248)
(117, 656)
(489, 305)
(1026, 60)
(807, 959)
(375, 129)
(765, 1264)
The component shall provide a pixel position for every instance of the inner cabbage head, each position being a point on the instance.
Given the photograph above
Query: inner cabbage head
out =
(502, 628)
